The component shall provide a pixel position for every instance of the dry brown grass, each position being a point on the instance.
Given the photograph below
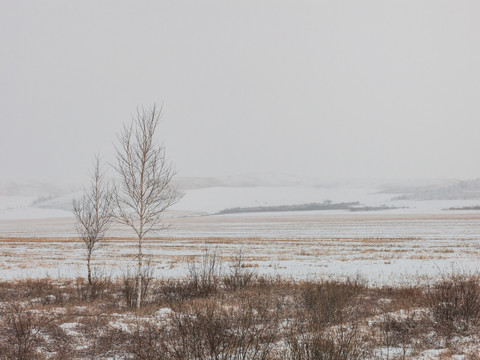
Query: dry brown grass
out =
(254, 317)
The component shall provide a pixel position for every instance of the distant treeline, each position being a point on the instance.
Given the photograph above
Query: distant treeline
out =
(327, 205)
(477, 207)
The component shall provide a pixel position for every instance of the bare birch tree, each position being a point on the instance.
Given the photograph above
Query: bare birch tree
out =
(145, 190)
(93, 213)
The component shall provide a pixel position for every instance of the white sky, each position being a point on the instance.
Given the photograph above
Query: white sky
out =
(323, 88)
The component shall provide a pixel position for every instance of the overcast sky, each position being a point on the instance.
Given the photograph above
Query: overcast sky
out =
(332, 89)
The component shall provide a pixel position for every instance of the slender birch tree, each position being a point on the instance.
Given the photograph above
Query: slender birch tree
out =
(93, 213)
(145, 190)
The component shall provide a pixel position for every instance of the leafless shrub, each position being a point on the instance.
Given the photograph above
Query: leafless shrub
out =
(113, 343)
(147, 277)
(208, 330)
(46, 291)
(344, 342)
(98, 286)
(397, 333)
(148, 342)
(455, 304)
(96, 330)
(39, 288)
(204, 276)
(172, 291)
(406, 298)
(21, 334)
(201, 332)
(129, 288)
(58, 344)
(327, 302)
(258, 328)
(238, 275)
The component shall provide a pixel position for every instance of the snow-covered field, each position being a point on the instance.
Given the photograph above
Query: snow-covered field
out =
(384, 248)
(414, 238)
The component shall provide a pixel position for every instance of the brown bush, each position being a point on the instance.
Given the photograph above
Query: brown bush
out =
(21, 334)
(210, 329)
(207, 329)
(102, 284)
(204, 276)
(329, 302)
(129, 288)
(454, 303)
(239, 275)
(335, 343)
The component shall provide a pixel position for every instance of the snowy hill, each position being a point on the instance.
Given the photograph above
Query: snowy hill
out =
(458, 190)
(27, 188)
(211, 195)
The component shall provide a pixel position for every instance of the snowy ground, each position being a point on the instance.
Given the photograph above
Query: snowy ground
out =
(419, 238)
(379, 248)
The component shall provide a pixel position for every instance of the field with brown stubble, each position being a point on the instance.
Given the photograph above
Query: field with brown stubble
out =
(384, 248)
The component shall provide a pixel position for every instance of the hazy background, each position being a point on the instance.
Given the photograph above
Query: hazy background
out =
(335, 89)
